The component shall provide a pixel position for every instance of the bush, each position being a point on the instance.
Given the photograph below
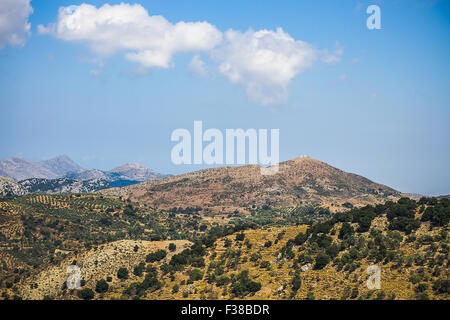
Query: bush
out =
(122, 273)
(300, 238)
(322, 260)
(195, 275)
(268, 244)
(222, 280)
(242, 285)
(346, 230)
(172, 247)
(139, 269)
(156, 256)
(240, 236)
(439, 215)
(101, 286)
(442, 286)
(86, 294)
(296, 282)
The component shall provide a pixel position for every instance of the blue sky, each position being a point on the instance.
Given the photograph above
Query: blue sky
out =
(379, 109)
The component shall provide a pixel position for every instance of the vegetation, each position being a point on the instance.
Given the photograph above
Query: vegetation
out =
(323, 259)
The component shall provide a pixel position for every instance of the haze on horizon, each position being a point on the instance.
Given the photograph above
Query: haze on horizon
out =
(371, 102)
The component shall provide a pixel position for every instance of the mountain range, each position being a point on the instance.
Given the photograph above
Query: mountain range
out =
(62, 175)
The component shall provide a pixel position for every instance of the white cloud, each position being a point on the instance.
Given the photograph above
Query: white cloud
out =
(197, 66)
(149, 40)
(14, 25)
(264, 62)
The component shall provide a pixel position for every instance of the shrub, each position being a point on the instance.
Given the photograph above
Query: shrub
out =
(242, 285)
(85, 294)
(322, 260)
(195, 275)
(240, 236)
(156, 256)
(122, 273)
(346, 230)
(300, 238)
(101, 286)
(139, 269)
(222, 280)
(442, 286)
(172, 247)
(296, 282)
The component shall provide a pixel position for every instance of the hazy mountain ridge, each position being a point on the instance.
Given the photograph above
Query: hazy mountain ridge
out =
(21, 169)
(299, 181)
(134, 173)
(61, 174)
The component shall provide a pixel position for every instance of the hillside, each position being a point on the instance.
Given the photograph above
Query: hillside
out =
(223, 190)
(62, 185)
(407, 240)
(10, 188)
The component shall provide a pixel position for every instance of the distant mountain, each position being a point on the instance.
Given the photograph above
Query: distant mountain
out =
(299, 181)
(87, 174)
(61, 174)
(137, 172)
(121, 176)
(10, 188)
(62, 185)
(61, 165)
(21, 169)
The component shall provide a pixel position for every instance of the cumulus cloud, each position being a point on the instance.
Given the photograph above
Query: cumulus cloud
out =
(149, 40)
(264, 62)
(14, 25)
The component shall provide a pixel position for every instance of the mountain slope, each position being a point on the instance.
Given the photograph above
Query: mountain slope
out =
(21, 169)
(299, 181)
(127, 174)
(10, 188)
(62, 185)
(136, 172)
(62, 167)
(407, 241)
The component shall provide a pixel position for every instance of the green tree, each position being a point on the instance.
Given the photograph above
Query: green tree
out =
(122, 273)
(322, 260)
(86, 294)
(101, 286)
(346, 230)
(296, 282)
